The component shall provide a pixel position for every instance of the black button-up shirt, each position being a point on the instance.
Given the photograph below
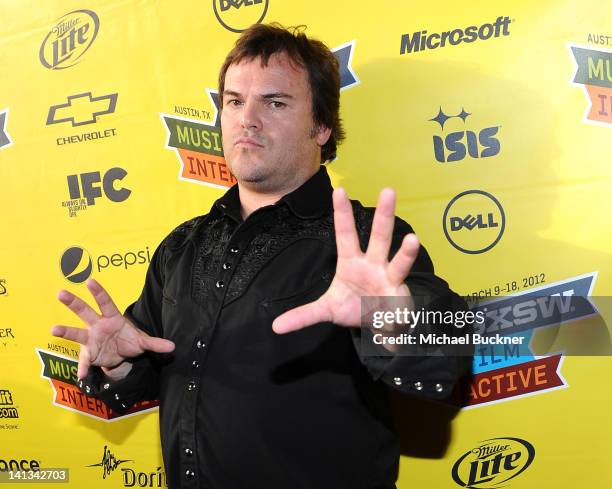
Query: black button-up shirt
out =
(243, 407)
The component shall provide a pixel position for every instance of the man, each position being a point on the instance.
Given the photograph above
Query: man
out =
(244, 404)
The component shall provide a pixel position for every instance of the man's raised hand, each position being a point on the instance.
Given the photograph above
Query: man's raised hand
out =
(358, 274)
(110, 338)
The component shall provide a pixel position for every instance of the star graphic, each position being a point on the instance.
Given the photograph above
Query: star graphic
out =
(441, 118)
(463, 114)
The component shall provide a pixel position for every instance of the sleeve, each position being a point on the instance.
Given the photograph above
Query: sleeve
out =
(427, 376)
(142, 382)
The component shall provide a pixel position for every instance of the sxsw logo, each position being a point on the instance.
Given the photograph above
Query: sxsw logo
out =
(594, 74)
(61, 372)
(456, 145)
(5, 139)
(82, 109)
(554, 304)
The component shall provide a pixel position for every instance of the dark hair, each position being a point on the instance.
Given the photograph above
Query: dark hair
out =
(264, 40)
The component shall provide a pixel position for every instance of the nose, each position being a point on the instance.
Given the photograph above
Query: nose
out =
(250, 115)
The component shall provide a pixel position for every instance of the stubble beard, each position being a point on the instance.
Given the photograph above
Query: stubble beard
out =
(252, 173)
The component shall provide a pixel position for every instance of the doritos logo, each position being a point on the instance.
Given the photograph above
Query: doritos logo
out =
(82, 109)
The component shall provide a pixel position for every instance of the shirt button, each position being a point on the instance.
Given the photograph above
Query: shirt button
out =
(227, 266)
(233, 250)
(191, 386)
(397, 381)
(190, 474)
(200, 344)
(106, 386)
(219, 284)
(117, 397)
(188, 451)
(195, 364)
(439, 387)
(418, 386)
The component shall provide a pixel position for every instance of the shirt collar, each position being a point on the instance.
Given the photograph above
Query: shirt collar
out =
(312, 199)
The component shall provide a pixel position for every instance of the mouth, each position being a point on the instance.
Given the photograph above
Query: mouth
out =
(248, 142)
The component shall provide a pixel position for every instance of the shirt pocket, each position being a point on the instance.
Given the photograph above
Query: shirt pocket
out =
(275, 306)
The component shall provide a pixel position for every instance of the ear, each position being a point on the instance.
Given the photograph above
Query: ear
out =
(322, 135)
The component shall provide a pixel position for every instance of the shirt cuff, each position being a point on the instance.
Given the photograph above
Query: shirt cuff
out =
(120, 395)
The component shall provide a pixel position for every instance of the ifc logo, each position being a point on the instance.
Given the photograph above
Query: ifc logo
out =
(474, 221)
(238, 15)
(69, 39)
(76, 264)
(493, 462)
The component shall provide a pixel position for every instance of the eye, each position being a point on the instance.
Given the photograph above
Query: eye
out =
(233, 102)
(276, 104)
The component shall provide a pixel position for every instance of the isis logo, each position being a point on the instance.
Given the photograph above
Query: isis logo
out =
(69, 39)
(474, 221)
(82, 109)
(76, 264)
(457, 145)
(238, 15)
(492, 463)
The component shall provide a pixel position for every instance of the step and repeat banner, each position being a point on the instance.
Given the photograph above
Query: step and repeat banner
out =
(492, 120)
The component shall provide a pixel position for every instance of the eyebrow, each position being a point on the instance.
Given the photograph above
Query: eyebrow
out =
(266, 96)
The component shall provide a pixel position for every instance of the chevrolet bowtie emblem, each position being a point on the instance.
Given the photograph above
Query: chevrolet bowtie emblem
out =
(82, 109)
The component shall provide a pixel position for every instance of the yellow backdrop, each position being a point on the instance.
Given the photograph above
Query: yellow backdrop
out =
(493, 120)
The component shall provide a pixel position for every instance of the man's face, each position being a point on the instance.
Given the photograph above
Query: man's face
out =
(268, 137)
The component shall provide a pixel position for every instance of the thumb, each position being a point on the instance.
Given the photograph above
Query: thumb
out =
(157, 345)
(301, 317)
(84, 362)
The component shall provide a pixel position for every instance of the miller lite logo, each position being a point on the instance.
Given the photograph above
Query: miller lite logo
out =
(71, 36)
(492, 463)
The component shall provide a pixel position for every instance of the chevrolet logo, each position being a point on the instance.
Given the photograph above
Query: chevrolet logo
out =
(82, 109)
